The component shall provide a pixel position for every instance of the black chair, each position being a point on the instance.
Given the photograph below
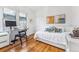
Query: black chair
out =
(21, 34)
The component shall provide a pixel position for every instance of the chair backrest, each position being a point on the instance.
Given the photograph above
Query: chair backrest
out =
(22, 32)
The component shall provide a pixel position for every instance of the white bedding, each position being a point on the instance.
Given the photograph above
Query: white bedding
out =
(57, 38)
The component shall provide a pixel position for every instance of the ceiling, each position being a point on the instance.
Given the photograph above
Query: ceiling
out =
(24, 8)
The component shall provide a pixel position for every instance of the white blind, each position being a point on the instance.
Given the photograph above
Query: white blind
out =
(9, 14)
(9, 17)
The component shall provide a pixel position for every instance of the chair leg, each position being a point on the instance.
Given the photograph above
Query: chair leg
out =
(21, 40)
(26, 37)
(14, 41)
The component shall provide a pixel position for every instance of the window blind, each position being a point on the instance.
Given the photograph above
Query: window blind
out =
(9, 17)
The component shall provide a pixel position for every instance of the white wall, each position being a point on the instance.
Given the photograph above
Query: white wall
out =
(31, 25)
(52, 11)
(75, 15)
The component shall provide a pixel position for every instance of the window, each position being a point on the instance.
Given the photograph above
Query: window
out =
(22, 20)
(9, 15)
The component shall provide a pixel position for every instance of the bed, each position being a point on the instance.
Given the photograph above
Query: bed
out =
(56, 39)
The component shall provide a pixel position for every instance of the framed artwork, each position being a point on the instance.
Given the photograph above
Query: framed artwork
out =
(58, 19)
(50, 19)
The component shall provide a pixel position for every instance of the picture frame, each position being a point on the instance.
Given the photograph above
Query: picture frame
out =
(57, 19)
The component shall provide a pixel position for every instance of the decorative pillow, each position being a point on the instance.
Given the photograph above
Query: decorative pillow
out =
(58, 30)
(50, 29)
(53, 29)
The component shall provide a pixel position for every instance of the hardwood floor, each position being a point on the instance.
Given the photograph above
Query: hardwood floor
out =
(31, 45)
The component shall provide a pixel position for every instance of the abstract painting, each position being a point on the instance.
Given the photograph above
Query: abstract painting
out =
(50, 19)
(58, 19)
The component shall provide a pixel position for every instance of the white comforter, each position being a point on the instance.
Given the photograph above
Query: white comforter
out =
(58, 38)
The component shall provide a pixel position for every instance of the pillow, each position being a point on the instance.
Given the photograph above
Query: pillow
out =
(53, 29)
(58, 30)
(50, 29)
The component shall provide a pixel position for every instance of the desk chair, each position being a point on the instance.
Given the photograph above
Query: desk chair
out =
(21, 34)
